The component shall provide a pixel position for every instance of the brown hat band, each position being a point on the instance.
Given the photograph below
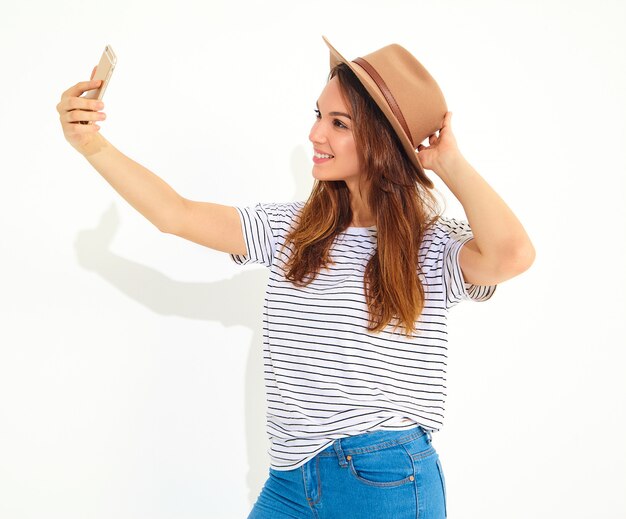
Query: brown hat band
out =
(391, 101)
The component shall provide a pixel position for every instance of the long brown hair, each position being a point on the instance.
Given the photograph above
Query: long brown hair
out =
(402, 207)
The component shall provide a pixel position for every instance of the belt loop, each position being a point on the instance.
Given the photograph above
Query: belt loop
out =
(430, 436)
(339, 451)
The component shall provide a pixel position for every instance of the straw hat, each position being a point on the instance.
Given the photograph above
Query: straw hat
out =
(407, 94)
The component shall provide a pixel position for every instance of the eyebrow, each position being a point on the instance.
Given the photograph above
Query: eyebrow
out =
(334, 113)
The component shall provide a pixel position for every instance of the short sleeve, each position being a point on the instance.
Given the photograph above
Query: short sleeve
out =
(258, 235)
(454, 234)
(264, 227)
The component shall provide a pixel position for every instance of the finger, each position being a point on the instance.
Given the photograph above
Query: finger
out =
(81, 87)
(93, 72)
(74, 116)
(85, 128)
(444, 121)
(70, 104)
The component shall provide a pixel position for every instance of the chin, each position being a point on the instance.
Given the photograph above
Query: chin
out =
(322, 175)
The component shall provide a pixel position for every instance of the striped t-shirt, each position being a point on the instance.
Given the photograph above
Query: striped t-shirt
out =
(328, 377)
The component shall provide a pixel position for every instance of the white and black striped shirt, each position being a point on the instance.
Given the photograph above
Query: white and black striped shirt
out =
(327, 376)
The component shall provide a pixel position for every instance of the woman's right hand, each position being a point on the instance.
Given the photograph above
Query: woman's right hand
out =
(72, 109)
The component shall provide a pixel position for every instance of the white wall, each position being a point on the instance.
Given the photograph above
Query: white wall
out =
(130, 360)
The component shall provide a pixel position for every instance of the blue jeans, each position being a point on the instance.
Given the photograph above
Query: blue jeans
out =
(394, 474)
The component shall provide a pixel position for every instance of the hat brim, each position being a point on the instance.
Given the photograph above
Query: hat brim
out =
(379, 99)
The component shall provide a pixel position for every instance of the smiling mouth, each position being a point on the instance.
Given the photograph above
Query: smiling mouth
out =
(322, 160)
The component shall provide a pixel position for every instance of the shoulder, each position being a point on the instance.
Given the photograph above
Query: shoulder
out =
(441, 238)
(279, 216)
(442, 230)
(282, 211)
(447, 226)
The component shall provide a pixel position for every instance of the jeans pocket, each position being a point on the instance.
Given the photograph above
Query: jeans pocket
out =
(390, 467)
(443, 485)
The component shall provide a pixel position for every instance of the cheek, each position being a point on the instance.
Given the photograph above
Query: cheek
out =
(354, 158)
(348, 148)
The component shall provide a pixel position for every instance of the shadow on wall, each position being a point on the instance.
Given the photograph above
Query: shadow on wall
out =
(166, 296)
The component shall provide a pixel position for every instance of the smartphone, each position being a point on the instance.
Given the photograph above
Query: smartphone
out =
(104, 71)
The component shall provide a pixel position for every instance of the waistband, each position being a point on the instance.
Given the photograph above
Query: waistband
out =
(373, 441)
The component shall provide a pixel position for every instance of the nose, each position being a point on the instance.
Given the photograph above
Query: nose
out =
(316, 135)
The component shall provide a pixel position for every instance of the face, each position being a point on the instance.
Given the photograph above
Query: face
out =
(331, 134)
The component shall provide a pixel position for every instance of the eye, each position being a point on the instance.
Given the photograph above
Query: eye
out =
(336, 122)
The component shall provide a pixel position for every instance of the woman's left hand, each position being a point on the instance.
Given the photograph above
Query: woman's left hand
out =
(442, 149)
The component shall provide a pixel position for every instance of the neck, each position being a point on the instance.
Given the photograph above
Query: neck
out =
(361, 214)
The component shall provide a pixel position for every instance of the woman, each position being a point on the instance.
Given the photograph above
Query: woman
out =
(362, 276)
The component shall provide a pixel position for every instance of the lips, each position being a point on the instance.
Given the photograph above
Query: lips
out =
(318, 160)
(323, 153)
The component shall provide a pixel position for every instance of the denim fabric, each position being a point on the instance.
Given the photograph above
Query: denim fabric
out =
(382, 474)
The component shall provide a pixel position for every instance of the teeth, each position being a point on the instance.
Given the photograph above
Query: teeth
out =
(322, 156)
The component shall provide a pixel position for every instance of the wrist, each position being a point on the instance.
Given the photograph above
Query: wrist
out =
(93, 146)
(450, 164)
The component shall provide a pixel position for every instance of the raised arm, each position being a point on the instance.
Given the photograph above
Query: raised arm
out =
(212, 225)
(501, 248)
